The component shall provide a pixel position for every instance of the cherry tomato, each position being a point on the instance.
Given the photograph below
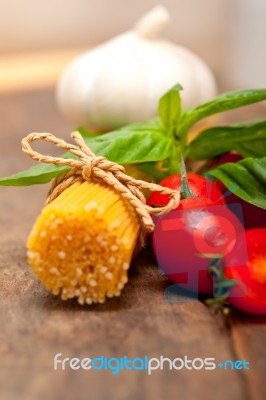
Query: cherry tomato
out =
(200, 187)
(249, 294)
(186, 239)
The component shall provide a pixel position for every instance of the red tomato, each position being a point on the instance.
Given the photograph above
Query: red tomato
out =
(200, 187)
(250, 293)
(186, 239)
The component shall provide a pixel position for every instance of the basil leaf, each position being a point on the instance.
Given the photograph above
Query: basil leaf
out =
(246, 179)
(170, 108)
(225, 102)
(85, 133)
(152, 124)
(40, 173)
(248, 139)
(132, 144)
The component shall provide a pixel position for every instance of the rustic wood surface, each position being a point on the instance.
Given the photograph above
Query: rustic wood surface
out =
(34, 325)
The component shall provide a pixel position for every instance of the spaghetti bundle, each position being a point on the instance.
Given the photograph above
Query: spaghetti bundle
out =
(82, 243)
(96, 217)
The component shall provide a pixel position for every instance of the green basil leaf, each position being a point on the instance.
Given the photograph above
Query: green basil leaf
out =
(225, 102)
(248, 139)
(246, 179)
(37, 174)
(85, 133)
(132, 144)
(152, 124)
(170, 108)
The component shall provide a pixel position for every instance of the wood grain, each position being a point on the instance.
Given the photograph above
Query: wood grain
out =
(35, 325)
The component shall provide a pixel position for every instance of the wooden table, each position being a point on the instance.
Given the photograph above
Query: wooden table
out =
(35, 325)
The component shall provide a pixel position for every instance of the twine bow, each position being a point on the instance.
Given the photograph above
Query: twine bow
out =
(88, 166)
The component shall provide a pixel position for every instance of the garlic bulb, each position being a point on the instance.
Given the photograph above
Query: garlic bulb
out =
(121, 81)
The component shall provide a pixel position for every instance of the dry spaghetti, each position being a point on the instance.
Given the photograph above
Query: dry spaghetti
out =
(96, 216)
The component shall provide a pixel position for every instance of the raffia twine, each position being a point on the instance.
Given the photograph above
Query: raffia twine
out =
(88, 167)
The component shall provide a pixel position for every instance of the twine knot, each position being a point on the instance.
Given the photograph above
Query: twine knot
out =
(99, 162)
(87, 166)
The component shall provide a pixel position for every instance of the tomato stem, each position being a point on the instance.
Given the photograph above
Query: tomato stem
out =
(222, 285)
(185, 191)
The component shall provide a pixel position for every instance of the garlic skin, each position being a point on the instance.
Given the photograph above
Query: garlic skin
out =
(121, 81)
